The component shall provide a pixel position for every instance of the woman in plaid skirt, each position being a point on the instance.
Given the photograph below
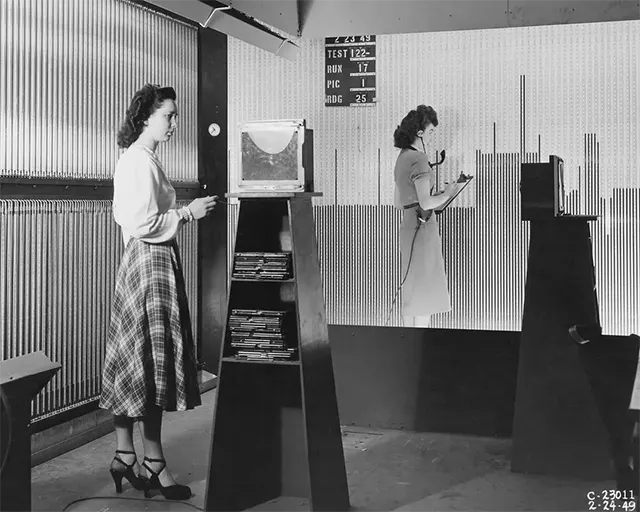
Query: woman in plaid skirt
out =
(150, 364)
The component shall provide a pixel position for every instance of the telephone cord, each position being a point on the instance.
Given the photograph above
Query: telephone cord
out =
(415, 234)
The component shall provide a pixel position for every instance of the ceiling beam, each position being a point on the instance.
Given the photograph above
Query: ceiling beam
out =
(232, 22)
(329, 18)
(280, 14)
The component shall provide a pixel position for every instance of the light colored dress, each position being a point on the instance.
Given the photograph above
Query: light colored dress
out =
(425, 291)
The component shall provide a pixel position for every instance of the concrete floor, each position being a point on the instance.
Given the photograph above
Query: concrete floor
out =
(387, 470)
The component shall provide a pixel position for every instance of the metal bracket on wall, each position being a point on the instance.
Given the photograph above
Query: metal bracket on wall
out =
(55, 189)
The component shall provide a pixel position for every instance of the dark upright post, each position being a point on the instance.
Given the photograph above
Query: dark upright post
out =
(212, 165)
(21, 379)
(327, 473)
(557, 429)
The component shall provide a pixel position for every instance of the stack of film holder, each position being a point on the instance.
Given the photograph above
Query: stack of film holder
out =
(262, 265)
(261, 334)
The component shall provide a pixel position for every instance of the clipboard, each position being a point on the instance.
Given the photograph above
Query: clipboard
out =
(462, 186)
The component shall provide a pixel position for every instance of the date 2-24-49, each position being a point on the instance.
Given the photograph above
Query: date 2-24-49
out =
(622, 501)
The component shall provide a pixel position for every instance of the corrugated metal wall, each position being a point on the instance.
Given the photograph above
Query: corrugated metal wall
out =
(67, 72)
(57, 278)
(503, 97)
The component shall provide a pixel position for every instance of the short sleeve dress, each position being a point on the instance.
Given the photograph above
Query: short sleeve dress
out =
(425, 290)
(150, 355)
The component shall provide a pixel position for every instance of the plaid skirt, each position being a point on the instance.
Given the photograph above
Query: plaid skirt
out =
(150, 357)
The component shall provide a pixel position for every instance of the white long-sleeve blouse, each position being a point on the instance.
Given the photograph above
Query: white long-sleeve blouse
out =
(144, 201)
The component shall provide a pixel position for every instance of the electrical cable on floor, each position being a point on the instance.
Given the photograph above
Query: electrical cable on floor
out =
(80, 500)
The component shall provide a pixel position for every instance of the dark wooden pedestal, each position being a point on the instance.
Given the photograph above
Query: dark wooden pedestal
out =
(276, 429)
(557, 429)
(21, 379)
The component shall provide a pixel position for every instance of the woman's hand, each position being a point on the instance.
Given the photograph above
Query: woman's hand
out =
(450, 188)
(424, 215)
(202, 206)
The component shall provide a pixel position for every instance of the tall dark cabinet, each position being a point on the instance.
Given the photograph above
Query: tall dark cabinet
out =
(557, 429)
(276, 428)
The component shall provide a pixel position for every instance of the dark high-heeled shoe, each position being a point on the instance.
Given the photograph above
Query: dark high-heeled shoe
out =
(138, 482)
(172, 492)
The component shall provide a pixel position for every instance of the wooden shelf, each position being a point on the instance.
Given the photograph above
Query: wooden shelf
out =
(272, 195)
(248, 280)
(232, 359)
(276, 429)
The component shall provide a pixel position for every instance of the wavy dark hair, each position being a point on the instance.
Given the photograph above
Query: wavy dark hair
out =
(144, 103)
(412, 123)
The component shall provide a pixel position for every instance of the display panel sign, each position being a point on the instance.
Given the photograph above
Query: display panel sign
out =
(350, 71)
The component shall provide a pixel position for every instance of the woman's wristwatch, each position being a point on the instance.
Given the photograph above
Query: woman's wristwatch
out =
(185, 214)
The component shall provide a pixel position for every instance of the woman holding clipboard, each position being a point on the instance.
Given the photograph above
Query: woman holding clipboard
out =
(424, 281)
